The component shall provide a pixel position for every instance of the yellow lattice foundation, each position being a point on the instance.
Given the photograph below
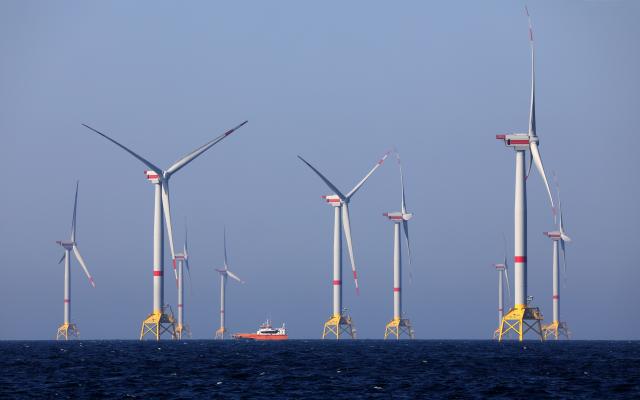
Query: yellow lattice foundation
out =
(397, 327)
(183, 332)
(220, 333)
(556, 330)
(67, 331)
(157, 324)
(337, 325)
(517, 321)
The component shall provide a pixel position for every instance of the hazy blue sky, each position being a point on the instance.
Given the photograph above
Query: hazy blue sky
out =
(339, 83)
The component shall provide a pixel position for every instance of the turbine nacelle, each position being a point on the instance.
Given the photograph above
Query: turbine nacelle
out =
(333, 200)
(554, 235)
(521, 141)
(557, 235)
(500, 267)
(398, 216)
(153, 176)
(226, 273)
(68, 245)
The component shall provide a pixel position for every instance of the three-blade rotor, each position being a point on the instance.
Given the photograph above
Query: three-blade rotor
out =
(344, 205)
(406, 216)
(164, 176)
(71, 245)
(506, 268)
(225, 270)
(564, 238)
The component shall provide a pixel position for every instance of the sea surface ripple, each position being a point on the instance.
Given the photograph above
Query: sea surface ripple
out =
(310, 369)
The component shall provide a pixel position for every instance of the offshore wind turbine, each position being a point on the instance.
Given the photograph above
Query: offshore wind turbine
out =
(398, 324)
(69, 329)
(559, 238)
(224, 274)
(503, 271)
(522, 317)
(182, 260)
(160, 321)
(339, 321)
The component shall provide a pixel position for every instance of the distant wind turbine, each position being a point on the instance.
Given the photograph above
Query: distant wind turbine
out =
(339, 322)
(69, 329)
(159, 321)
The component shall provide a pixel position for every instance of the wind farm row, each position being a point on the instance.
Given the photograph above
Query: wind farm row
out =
(520, 318)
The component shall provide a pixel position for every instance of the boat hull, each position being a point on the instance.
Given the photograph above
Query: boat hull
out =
(254, 336)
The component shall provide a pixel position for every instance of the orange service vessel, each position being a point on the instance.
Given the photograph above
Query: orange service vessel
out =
(266, 332)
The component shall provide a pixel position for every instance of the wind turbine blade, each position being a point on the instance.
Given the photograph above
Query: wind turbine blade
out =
(405, 225)
(197, 152)
(563, 234)
(224, 245)
(326, 181)
(533, 146)
(532, 111)
(186, 263)
(530, 166)
(506, 276)
(359, 185)
(564, 262)
(166, 208)
(535, 154)
(506, 266)
(185, 250)
(62, 258)
(233, 276)
(346, 224)
(404, 203)
(186, 241)
(75, 209)
(143, 160)
(83, 265)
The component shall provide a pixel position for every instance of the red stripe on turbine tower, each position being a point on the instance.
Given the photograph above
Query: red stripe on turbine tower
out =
(157, 273)
(66, 301)
(337, 282)
(520, 259)
(396, 289)
(556, 297)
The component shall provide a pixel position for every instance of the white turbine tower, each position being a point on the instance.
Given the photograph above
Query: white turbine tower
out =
(224, 273)
(517, 319)
(340, 321)
(182, 260)
(398, 324)
(503, 271)
(160, 321)
(69, 329)
(557, 328)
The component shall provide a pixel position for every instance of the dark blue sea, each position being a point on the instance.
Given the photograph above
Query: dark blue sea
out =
(313, 369)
